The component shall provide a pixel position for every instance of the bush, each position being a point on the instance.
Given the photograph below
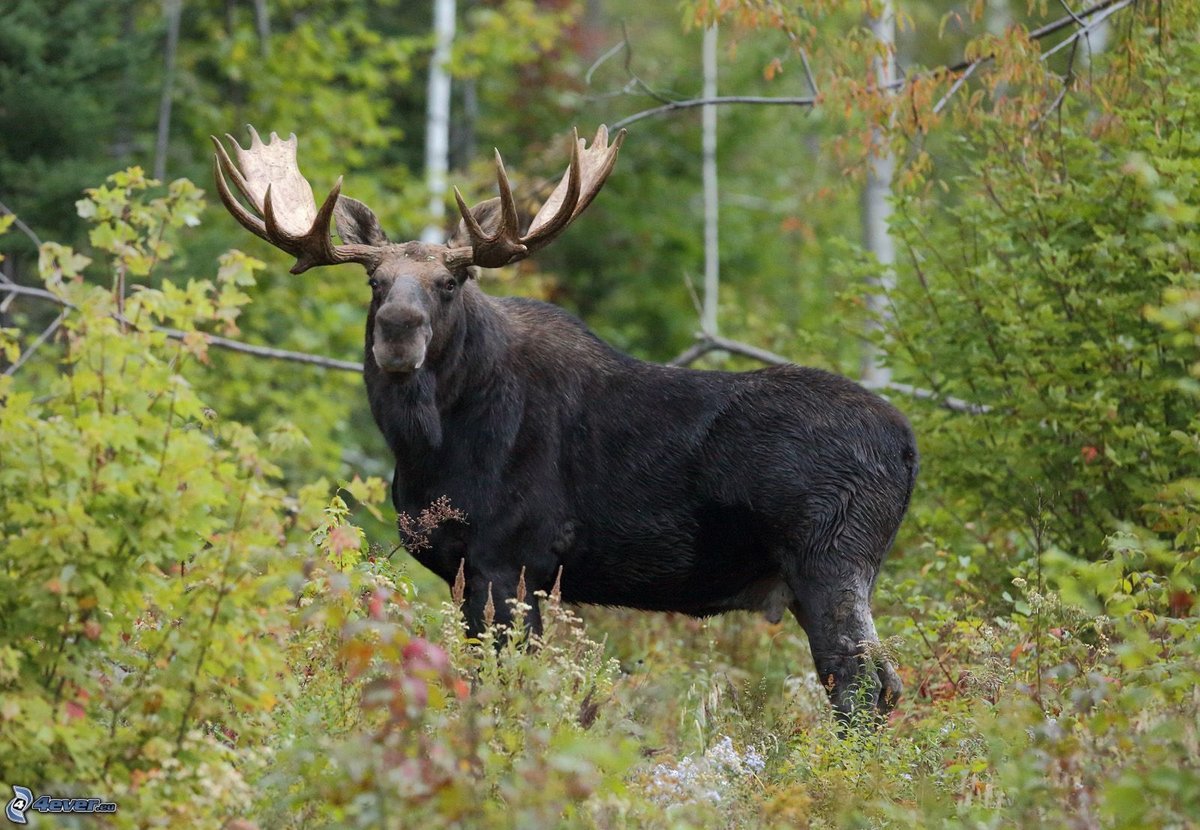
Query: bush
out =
(142, 592)
(1028, 293)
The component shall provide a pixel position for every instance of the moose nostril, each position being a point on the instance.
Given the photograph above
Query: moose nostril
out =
(400, 322)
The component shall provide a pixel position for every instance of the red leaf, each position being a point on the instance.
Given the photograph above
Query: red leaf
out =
(342, 538)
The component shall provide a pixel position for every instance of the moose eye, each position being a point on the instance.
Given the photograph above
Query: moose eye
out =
(374, 283)
(449, 285)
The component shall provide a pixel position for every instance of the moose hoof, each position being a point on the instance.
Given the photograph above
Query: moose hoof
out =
(858, 685)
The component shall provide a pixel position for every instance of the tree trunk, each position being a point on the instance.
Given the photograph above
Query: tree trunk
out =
(262, 22)
(437, 120)
(172, 10)
(877, 207)
(123, 141)
(712, 249)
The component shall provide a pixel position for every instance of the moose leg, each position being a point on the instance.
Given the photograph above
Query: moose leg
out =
(837, 618)
(496, 589)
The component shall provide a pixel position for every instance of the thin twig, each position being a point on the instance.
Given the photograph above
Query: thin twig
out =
(210, 339)
(37, 343)
(692, 353)
(812, 81)
(1109, 11)
(600, 61)
(957, 85)
(635, 83)
(945, 401)
(692, 103)
(21, 226)
(266, 351)
(33, 237)
(933, 652)
(1054, 106)
(1067, 7)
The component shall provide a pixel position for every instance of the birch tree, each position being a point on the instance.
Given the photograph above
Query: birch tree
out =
(437, 118)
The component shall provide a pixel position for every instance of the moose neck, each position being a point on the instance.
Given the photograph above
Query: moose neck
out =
(467, 361)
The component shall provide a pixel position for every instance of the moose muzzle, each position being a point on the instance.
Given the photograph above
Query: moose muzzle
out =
(402, 334)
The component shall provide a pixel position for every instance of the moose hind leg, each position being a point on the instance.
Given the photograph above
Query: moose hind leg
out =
(841, 634)
(833, 604)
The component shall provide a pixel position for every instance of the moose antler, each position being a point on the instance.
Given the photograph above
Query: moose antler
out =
(271, 181)
(589, 168)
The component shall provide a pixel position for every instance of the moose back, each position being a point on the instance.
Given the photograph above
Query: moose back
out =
(646, 486)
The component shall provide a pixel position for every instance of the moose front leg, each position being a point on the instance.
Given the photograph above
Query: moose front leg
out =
(488, 599)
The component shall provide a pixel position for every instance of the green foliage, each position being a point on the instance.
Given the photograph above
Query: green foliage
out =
(142, 589)
(1029, 294)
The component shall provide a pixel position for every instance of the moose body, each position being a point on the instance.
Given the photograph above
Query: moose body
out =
(637, 485)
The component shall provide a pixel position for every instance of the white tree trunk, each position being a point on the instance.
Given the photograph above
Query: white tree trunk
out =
(437, 119)
(172, 11)
(877, 207)
(262, 23)
(712, 249)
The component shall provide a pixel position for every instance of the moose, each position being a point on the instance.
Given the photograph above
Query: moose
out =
(632, 484)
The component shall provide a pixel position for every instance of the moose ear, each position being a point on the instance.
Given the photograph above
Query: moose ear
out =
(486, 213)
(357, 224)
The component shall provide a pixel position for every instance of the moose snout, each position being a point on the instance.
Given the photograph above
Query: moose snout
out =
(397, 323)
(401, 338)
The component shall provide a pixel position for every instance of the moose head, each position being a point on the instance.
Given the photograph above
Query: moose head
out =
(415, 286)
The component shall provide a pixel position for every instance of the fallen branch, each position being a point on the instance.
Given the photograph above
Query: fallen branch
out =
(706, 343)
(211, 339)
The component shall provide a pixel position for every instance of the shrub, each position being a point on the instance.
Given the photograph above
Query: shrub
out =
(141, 586)
(1028, 293)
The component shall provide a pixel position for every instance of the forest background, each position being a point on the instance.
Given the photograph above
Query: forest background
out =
(203, 614)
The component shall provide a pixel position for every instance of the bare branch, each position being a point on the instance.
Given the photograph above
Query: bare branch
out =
(1054, 106)
(21, 226)
(706, 343)
(33, 237)
(211, 339)
(692, 103)
(945, 401)
(716, 343)
(1067, 8)
(1109, 10)
(957, 85)
(603, 59)
(37, 343)
(812, 81)
(266, 351)
(40, 293)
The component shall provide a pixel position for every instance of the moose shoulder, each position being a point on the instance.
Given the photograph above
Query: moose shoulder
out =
(646, 486)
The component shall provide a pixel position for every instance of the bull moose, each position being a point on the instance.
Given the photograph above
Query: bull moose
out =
(638, 485)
